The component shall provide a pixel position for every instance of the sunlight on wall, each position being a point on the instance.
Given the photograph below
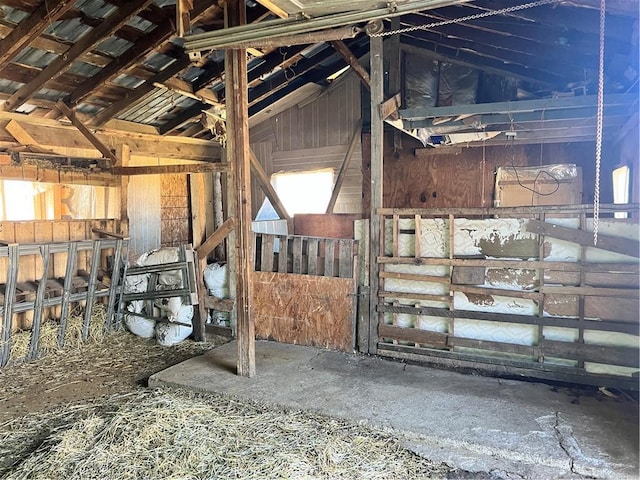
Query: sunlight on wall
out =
(621, 188)
(304, 192)
(18, 200)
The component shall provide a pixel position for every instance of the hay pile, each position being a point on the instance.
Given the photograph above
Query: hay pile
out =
(180, 435)
(48, 342)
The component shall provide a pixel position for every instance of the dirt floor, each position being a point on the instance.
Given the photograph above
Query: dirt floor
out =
(119, 364)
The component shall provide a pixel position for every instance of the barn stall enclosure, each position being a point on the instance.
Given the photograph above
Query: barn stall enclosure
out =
(396, 124)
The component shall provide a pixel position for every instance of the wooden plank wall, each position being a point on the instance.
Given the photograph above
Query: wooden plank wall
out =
(174, 210)
(47, 231)
(327, 124)
(455, 291)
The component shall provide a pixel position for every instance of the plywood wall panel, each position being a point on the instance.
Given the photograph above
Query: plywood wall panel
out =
(304, 310)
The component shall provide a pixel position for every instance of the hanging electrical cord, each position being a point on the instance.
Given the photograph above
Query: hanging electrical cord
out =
(452, 21)
(596, 190)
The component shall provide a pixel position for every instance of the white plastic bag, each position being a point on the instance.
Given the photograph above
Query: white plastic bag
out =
(161, 256)
(217, 280)
(142, 327)
(169, 307)
(169, 334)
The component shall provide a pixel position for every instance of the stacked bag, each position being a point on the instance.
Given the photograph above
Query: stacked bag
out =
(172, 320)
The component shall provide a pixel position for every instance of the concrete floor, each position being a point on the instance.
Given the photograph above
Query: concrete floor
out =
(509, 428)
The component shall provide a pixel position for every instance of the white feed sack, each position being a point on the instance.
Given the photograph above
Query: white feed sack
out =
(170, 309)
(216, 278)
(159, 257)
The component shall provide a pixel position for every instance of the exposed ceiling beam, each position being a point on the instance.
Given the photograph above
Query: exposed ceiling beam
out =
(317, 75)
(277, 28)
(585, 20)
(31, 27)
(54, 135)
(277, 58)
(101, 147)
(559, 60)
(63, 62)
(353, 62)
(49, 44)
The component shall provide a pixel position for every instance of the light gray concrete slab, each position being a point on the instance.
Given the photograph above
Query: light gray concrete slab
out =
(510, 428)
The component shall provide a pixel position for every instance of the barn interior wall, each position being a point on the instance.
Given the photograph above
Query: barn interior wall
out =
(465, 177)
(315, 135)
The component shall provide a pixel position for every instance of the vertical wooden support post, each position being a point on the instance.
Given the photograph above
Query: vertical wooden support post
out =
(38, 305)
(238, 151)
(197, 197)
(125, 156)
(377, 143)
(9, 299)
(452, 253)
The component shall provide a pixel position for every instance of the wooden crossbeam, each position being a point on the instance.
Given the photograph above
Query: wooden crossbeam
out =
(352, 61)
(344, 167)
(20, 134)
(625, 246)
(267, 188)
(95, 141)
(31, 27)
(171, 169)
(63, 62)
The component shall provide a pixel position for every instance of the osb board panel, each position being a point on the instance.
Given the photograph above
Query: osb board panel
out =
(323, 225)
(444, 180)
(304, 309)
(174, 211)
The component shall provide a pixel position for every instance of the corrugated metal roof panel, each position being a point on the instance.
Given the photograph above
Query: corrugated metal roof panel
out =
(114, 46)
(69, 30)
(95, 8)
(50, 94)
(158, 61)
(141, 24)
(13, 15)
(84, 69)
(34, 57)
(88, 109)
(7, 86)
(127, 81)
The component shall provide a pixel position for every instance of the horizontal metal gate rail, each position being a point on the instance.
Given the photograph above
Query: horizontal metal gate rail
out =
(77, 286)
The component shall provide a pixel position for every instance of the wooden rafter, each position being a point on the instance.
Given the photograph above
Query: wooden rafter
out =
(352, 61)
(31, 27)
(63, 62)
(95, 141)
